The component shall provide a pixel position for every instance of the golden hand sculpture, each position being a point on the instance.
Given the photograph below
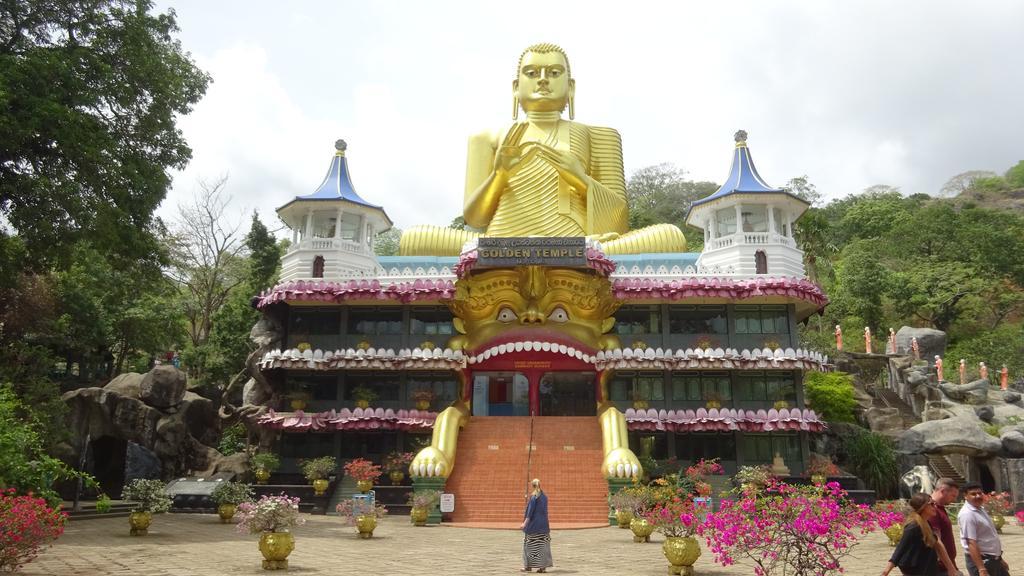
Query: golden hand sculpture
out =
(546, 176)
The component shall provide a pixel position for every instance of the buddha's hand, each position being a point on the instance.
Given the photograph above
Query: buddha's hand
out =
(620, 463)
(567, 164)
(430, 462)
(606, 237)
(511, 155)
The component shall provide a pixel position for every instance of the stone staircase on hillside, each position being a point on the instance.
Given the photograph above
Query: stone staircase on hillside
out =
(892, 400)
(490, 475)
(941, 465)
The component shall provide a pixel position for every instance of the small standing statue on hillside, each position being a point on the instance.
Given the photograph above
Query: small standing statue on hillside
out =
(915, 348)
(867, 339)
(839, 338)
(983, 370)
(892, 341)
(1004, 378)
(963, 371)
(938, 369)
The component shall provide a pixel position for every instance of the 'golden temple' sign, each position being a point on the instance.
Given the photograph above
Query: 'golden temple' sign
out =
(568, 252)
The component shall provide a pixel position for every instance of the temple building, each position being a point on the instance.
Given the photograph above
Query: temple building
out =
(529, 368)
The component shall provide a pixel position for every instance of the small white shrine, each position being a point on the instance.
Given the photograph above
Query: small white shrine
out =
(748, 225)
(332, 229)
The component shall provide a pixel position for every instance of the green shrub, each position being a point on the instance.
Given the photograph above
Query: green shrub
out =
(233, 440)
(873, 460)
(147, 496)
(232, 493)
(991, 429)
(831, 395)
(265, 460)
(103, 504)
(24, 464)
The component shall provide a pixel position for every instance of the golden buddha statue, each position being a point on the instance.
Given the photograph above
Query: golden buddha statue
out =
(546, 176)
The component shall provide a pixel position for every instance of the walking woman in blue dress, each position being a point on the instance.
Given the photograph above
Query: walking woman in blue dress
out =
(537, 538)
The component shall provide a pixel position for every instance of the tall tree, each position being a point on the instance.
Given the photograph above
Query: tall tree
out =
(206, 254)
(89, 93)
(662, 194)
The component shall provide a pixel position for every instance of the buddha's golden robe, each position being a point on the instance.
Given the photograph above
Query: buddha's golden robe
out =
(537, 202)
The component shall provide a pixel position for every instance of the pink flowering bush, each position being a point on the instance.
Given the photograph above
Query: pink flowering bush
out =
(269, 514)
(889, 513)
(27, 524)
(792, 530)
(1020, 517)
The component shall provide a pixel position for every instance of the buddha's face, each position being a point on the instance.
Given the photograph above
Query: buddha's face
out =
(558, 305)
(544, 84)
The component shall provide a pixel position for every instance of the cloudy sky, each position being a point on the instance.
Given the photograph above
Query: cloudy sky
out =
(849, 93)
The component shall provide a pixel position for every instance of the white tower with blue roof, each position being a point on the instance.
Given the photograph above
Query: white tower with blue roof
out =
(747, 224)
(332, 229)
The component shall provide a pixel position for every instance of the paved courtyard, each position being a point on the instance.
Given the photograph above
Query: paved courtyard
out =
(199, 545)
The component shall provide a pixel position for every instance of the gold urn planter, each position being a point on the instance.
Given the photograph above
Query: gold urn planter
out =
(262, 476)
(226, 512)
(623, 518)
(999, 521)
(365, 525)
(364, 404)
(419, 516)
(275, 547)
(422, 405)
(364, 486)
(320, 486)
(681, 552)
(396, 477)
(642, 529)
(139, 521)
(894, 533)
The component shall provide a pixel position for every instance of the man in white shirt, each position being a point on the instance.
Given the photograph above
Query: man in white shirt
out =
(983, 552)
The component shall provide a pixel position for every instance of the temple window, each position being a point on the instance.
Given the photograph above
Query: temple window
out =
(726, 221)
(318, 267)
(371, 321)
(765, 319)
(755, 219)
(387, 385)
(634, 320)
(780, 224)
(765, 387)
(313, 322)
(697, 320)
(430, 321)
(442, 385)
(762, 448)
(631, 386)
(692, 447)
(350, 224)
(319, 386)
(701, 386)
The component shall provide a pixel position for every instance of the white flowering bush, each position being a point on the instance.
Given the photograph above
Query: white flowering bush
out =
(269, 514)
(147, 496)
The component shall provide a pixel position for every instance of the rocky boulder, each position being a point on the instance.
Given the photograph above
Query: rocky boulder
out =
(128, 384)
(930, 342)
(961, 435)
(1013, 444)
(163, 387)
(971, 393)
(886, 421)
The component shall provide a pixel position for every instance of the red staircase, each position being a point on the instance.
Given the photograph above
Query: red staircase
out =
(489, 479)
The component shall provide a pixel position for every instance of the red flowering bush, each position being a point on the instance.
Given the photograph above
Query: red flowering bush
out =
(889, 513)
(676, 517)
(792, 530)
(998, 503)
(26, 525)
(362, 469)
(398, 461)
(704, 468)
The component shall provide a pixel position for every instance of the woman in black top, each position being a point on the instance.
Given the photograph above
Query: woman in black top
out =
(919, 551)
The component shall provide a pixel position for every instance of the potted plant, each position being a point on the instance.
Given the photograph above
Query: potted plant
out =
(698, 473)
(363, 515)
(644, 499)
(363, 472)
(677, 519)
(423, 397)
(998, 505)
(396, 463)
(422, 502)
(271, 517)
(889, 515)
(103, 504)
(363, 395)
(712, 400)
(623, 502)
(820, 468)
(752, 478)
(263, 464)
(227, 496)
(298, 398)
(317, 470)
(149, 497)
